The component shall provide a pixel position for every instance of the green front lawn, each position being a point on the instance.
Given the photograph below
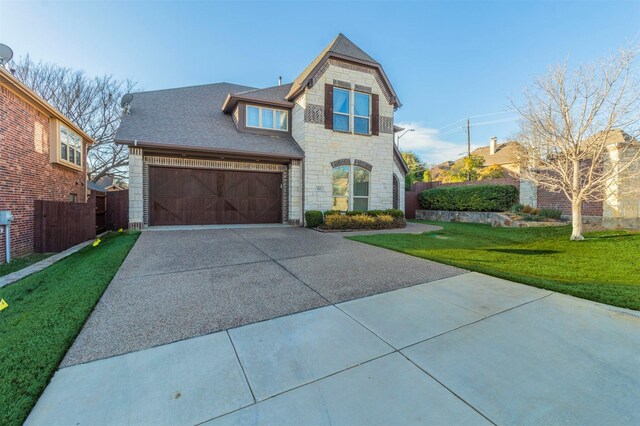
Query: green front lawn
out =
(604, 267)
(22, 262)
(45, 314)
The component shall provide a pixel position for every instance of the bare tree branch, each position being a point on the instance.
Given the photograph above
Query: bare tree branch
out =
(93, 104)
(580, 130)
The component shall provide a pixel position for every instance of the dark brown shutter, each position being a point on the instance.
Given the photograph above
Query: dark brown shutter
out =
(375, 114)
(328, 106)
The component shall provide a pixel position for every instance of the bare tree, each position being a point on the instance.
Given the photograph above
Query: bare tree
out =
(93, 104)
(579, 131)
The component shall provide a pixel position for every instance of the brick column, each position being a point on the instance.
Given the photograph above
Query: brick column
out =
(136, 207)
(295, 192)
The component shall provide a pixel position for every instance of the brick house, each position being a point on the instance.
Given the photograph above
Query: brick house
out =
(226, 153)
(42, 157)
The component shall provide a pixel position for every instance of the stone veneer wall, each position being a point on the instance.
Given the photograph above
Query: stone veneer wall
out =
(322, 146)
(136, 207)
(621, 208)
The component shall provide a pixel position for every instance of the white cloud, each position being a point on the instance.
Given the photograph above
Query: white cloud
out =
(429, 146)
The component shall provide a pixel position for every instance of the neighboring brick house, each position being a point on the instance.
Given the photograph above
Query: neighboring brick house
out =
(225, 153)
(42, 157)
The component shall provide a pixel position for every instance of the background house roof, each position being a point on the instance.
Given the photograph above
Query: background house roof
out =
(191, 118)
(506, 153)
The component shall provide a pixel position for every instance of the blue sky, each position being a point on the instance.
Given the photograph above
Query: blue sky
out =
(446, 60)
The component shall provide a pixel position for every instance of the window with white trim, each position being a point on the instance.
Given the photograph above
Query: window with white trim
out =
(70, 146)
(350, 188)
(267, 118)
(344, 119)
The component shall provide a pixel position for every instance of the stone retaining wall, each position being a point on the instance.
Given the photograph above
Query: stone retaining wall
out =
(497, 220)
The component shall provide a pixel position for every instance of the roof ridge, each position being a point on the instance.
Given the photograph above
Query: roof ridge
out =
(193, 86)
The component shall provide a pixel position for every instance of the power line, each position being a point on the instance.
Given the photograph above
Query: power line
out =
(475, 116)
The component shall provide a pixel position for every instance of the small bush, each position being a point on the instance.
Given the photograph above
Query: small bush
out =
(480, 198)
(330, 212)
(395, 213)
(517, 208)
(313, 218)
(550, 213)
(362, 221)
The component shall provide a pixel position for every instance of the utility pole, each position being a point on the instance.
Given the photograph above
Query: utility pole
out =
(469, 148)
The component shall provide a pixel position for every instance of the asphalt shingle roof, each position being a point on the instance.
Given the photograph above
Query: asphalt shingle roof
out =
(275, 93)
(191, 117)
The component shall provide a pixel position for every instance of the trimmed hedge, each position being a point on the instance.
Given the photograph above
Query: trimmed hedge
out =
(371, 219)
(362, 221)
(313, 218)
(477, 198)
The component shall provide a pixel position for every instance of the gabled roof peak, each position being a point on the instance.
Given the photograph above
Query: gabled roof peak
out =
(342, 48)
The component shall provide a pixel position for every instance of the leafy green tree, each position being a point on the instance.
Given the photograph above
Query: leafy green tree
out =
(416, 168)
(467, 169)
(491, 172)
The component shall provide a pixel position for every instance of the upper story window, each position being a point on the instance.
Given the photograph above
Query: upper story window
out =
(70, 146)
(267, 118)
(345, 117)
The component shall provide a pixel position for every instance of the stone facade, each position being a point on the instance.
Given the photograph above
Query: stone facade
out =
(136, 181)
(621, 208)
(26, 170)
(323, 146)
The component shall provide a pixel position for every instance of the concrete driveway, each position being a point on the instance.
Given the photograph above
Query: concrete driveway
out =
(180, 284)
(366, 346)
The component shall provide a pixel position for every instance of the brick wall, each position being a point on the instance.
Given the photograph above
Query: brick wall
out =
(26, 172)
(557, 200)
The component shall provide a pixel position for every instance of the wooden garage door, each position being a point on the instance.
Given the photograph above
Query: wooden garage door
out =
(203, 197)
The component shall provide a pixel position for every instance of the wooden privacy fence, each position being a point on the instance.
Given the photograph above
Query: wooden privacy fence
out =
(117, 209)
(59, 225)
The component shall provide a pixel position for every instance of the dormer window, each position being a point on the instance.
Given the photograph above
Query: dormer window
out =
(267, 118)
(343, 119)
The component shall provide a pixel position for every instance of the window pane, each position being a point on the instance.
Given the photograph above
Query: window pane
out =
(253, 116)
(341, 101)
(361, 125)
(361, 204)
(341, 181)
(360, 182)
(78, 162)
(340, 203)
(281, 120)
(63, 151)
(267, 118)
(361, 104)
(341, 122)
(71, 157)
(63, 136)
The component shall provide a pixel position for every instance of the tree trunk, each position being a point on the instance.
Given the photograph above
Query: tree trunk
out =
(576, 205)
(576, 220)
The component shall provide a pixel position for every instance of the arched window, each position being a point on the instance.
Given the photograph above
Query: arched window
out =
(396, 192)
(360, 188)
(350, 188)
(340, 189)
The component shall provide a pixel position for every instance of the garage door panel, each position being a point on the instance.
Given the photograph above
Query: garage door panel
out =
(200, 197)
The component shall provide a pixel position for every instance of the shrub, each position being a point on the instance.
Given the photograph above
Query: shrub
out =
(395, 213)
(313, 218)
(480, 198)
(550, 213)
(526, 209)
(517, 208)
(362, 221)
